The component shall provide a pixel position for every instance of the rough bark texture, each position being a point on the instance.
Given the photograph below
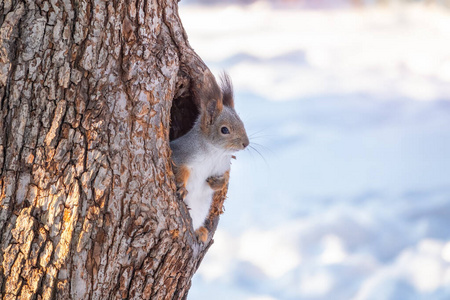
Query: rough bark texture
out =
(88, 206)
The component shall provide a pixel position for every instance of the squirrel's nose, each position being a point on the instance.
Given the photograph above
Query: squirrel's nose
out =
(245, 143)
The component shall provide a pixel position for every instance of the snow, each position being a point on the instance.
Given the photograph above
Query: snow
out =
(350, 111)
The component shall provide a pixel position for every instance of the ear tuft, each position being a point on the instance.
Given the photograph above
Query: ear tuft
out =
(227, 90)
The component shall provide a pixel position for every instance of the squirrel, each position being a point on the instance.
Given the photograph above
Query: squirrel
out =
(203, 155)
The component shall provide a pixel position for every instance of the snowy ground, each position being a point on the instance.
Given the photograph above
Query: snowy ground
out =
(352, 112)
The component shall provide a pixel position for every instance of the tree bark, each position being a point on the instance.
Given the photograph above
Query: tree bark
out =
(88, 205)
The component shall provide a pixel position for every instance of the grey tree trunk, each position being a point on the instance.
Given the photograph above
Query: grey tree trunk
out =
(88, 205)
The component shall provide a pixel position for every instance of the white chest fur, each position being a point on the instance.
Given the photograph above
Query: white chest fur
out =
(199, 196)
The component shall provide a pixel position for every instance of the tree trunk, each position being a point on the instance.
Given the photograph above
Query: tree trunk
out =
(87, 194)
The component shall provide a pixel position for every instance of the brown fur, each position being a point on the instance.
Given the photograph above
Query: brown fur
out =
(181, 177)
(216, 182)
(202, 234)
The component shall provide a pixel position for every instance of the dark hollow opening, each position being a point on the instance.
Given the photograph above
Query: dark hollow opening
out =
(183, 113)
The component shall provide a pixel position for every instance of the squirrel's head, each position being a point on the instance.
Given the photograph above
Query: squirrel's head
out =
(218, 120)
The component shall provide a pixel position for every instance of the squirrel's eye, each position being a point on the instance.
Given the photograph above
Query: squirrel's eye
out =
(225, 130)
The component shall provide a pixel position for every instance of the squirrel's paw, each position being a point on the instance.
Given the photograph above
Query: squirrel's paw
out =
(182, 192)
(216, 182)
(202, 234)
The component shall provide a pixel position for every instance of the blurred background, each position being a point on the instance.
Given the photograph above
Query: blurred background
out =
(347, 192)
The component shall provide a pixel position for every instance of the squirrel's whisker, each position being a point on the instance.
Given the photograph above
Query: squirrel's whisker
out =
(259, 153)
(257, 132)
(262, 146)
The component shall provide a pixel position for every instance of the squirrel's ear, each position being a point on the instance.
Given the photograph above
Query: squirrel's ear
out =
(227, 90)
(211, 111)
(210, 97)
